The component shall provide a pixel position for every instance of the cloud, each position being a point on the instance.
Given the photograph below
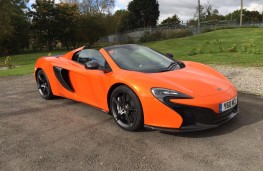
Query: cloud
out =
(186, 9)
(123, 3)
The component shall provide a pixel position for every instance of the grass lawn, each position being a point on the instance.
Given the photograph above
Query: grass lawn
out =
(24, 63)
(180, 48)
(243, 37)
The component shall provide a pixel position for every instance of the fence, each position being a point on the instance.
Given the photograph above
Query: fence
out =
(135, 35)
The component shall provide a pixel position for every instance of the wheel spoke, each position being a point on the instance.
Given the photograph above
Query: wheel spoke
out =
(128, 119)
(126, 97)
(131, 118)
(123, 98)
(116, 101)
(43, 85)
(118, 117)
(40, 78)
(45, 89)
(46, 85)
(132, 109)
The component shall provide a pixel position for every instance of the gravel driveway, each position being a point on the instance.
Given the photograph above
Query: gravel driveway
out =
(65, 135)
(249, 80)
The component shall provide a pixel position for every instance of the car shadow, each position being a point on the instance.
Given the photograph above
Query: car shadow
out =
(251, 108)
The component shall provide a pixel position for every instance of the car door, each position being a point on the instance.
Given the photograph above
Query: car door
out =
(90, 86)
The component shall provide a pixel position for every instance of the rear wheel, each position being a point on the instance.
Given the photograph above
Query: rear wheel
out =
(43, 85)
(126, 109)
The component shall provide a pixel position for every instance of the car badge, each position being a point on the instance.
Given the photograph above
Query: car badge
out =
(219, 89)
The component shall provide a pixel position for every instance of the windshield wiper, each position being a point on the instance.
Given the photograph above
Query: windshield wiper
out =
(172, 65)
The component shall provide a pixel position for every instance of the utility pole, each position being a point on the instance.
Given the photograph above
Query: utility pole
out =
(199, 11)
(241, 13)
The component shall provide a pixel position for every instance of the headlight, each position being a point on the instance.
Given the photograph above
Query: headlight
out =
(161, 93)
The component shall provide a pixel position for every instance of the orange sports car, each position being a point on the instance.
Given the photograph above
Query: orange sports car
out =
(140, 87)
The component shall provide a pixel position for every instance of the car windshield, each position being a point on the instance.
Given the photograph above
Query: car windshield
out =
(140, 58)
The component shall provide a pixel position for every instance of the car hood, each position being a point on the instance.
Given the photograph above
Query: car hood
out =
(194, 80)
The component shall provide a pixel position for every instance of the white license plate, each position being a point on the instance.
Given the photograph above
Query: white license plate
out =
(228, 104)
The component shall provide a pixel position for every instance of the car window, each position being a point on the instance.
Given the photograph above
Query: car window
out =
(87, 55)
(140, 58)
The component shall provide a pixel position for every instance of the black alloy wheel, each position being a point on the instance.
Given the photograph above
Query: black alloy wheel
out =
(43, 85)
(126, 109)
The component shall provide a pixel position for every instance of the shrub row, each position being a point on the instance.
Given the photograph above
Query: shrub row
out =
(164, 34)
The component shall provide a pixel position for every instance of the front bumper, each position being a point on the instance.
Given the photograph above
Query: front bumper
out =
(198, 118)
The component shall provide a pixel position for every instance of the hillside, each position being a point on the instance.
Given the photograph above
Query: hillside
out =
(241, 47)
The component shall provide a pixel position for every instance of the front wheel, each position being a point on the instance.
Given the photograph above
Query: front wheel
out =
(126, 109)
(43, 85)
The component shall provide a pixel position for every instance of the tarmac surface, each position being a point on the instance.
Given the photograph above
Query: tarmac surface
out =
(62, 134)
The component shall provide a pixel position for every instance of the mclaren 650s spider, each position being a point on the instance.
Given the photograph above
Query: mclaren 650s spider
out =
(140, 87)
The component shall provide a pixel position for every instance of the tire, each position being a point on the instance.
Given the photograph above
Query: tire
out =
(126, 109)
(43, 85)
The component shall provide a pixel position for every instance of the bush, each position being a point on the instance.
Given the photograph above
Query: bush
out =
(8, 62)
(158, 35)
(233, 49)
(129, 40)
(192, 52)
(179, 33)
(162, 35)
(146, 37)
(206, 30)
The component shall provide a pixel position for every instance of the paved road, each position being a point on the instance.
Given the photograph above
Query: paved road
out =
(65, 135)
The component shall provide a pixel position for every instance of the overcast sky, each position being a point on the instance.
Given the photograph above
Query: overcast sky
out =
(185, 9)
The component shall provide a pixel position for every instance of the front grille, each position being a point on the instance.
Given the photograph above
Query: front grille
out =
(224, 116)
(192, 115)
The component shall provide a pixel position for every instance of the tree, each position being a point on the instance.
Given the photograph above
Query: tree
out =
(171, 21)
(192, 22)
(5, 19)
(13, 26)
(202, 12)
(248, 16)
(66, 17)
(70, 1)
(97, 6)
(208, 10)
(43, 23)
(19, 39)
(254, 16)
(143, 13)
(207, 14)
(123, 20)
(215, 16)
(90, 29)
(67, 22)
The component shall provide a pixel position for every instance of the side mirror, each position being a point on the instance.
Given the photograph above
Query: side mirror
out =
(93, 65)
(169, 55)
